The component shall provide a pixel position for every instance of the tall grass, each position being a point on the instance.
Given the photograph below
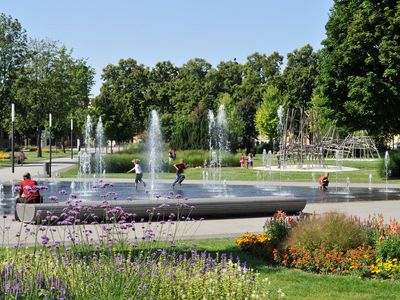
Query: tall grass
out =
(331, 229)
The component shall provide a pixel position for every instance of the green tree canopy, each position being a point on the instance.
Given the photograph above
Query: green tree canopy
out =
(360, 65)
(299, 77)
(13, 50)
(266, 119)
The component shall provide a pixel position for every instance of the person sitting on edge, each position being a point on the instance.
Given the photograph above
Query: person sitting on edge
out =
(324, 181)
(139, 173)
(179, 172)
(27, 192)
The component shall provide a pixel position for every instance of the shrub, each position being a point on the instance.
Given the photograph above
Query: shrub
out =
(122, 161)
(257, 244)
(332, 229)
(250, 241)
(278, 227)
(389, 247)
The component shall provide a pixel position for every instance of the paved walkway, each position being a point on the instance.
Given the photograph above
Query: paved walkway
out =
(208, 228)
(36, 169)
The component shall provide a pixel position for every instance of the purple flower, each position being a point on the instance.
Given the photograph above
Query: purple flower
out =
(63, 192)
(53, 198)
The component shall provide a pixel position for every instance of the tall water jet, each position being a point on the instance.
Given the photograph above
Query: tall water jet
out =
(370, 181)
(347, 187)
(281, 159)
(84, 155)
(386, 168)
(269, 159)
(218, 143)
(1, 193)
(100, 168)
(154, 145)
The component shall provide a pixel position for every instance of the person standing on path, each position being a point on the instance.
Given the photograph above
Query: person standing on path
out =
(21, 158)
(241, 161)
(250, 161)
(139, 173)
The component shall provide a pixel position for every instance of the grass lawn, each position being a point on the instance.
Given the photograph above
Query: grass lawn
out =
(298, 284)
(235, 173)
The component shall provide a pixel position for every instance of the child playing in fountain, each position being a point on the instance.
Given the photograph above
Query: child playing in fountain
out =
(139, 173)
(179, 173)
(324, 181)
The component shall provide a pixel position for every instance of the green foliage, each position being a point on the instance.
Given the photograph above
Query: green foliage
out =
(121, 102)
(279, 226)
(191, 132)
(52, 81)
(13, 51)
(299, 77)
(121, 163)
(235, 122)
(393, 167)
(389, 247)
(359, 65)
(331, 229)
(266, 119)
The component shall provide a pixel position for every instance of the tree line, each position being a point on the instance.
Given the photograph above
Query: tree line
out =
(352, 83)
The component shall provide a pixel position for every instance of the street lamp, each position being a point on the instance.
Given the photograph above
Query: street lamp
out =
(72, 147)
(50, 144)
(12, 135)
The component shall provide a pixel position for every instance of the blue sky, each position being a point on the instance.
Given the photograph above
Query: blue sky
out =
(177, 30)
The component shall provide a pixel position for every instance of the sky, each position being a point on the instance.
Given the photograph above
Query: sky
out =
(151, 31)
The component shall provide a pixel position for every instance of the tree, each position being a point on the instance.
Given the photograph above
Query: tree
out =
(121, 102)
(247, 109)
(266, 119)
(159, 93)
(360, 63)
(260, 70)
(51, 82)
(235, 122)
(299, 77)
(13, 48)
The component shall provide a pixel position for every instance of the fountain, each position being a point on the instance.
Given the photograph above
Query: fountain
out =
(85, 169)
(386, 169)
(370, 182)
(218, 143)
(281, 159)
(1, 193)
(100, 168)
(269, 160)
(347, 187)
(154, 145)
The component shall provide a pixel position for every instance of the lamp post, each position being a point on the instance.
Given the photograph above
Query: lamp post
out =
(72, 147)
(12, 136)
(50, 143)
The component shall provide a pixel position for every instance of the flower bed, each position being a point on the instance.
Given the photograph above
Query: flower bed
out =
(331, 244)
(127, 258)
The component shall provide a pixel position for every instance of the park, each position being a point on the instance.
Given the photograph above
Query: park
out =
(271, 177)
